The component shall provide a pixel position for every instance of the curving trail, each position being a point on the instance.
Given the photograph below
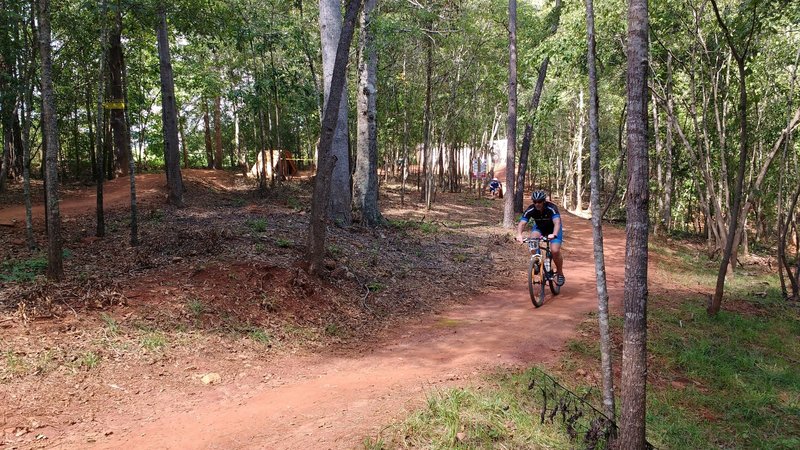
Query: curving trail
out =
(335, 401)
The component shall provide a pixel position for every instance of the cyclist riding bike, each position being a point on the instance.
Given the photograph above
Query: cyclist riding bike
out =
(495, 188)
(546, 221)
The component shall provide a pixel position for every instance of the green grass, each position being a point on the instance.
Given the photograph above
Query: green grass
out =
(110, 324)
(196, 307)
(424, 227)
(375, 286)
(23, 270)
(89, 360)
(501, 415)
(153, 342)
(283, 243)
(260, 336)
(745, 389)
(258, 225)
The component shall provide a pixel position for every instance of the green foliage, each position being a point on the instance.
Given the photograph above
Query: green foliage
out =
(258, 225)
(23, 270)
(260, 336)
(745, 387)
(110, 324)
(375, 286)
(89, 360)
(501, 415)
(196, 307)
(153, 342)
(284, 243)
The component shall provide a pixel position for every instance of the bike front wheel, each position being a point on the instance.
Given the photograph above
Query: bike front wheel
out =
(534, 282)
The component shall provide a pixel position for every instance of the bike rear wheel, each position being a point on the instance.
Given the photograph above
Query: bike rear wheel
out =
(534, 277)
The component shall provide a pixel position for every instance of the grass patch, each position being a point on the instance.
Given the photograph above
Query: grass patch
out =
(375, 286)
(196, 308)
(23, 270)
(284, 243)
(745, 382)
(110, 324)
(153, 342)
(260, 336)
(501, 415)
(88, 360)
(258, 225)
(424, 227)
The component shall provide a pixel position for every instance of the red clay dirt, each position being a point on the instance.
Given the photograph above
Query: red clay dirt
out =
(335, 399)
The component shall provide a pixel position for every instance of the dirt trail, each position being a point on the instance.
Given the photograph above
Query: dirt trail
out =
(116, 194)
(335, 401)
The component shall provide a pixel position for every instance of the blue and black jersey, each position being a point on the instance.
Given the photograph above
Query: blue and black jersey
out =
(542, 220)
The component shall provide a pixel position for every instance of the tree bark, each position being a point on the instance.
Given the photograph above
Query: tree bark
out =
(169, 115)
(365, 178)
(315, 250)
(55, 268)
(597, 220)
(330, 23)
(100, 158)
(217, 132)
(116, 62)
(634, 350)
(207, 135)
(511, 138)
(741, 59)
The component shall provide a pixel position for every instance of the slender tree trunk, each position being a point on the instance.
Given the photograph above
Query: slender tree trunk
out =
(116, 61)
(101, 87)
(181, 132)
(131, 163)
(339, 208)
(527, 136)
(511, 146)
(55, 268)
(579, 155)
(741, 59)
(327, 159)
(207, 134)
(365, 178)
(634, 349)
(426, 145)
(169, 115)
(606, 355)
(217, 132)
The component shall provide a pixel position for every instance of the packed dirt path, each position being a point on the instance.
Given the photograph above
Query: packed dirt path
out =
(333, 401)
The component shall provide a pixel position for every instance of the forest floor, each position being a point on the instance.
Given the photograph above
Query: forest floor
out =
(211, 335)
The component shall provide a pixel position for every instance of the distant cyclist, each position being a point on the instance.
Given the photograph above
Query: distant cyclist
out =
(496, 188)
(546, 222)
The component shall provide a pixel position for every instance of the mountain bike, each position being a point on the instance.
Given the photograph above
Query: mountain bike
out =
(540, 270)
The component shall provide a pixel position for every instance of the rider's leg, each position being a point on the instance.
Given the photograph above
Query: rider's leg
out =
(555, 250)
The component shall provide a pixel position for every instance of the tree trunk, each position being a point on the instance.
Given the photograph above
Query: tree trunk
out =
(207, 134)
(327, 158)
(55, 268)
(217, 132)
(741, 59)
(330, 23)
(116, 61)
(579, 156)
(131, 164)
(634, 347)
(511, 142)
(365, 178)
(597, 220)
(426, 142)
(100, 148)
(169, 115)
(527, 136)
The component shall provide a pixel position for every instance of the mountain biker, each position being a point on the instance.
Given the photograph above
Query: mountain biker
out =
(495, 187)
(546, 222)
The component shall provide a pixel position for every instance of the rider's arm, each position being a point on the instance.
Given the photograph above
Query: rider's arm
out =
(520, 228)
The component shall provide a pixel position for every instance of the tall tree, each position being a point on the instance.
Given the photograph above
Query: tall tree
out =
(533, 106)
(116, 63)
(99, 147)
(740, 54)
(55, 267)
(511, 135)
(365, 178)
(330, 24)
(597, 218)
(217, 132)
(327, 158)
(169, 113)
(634, 346)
